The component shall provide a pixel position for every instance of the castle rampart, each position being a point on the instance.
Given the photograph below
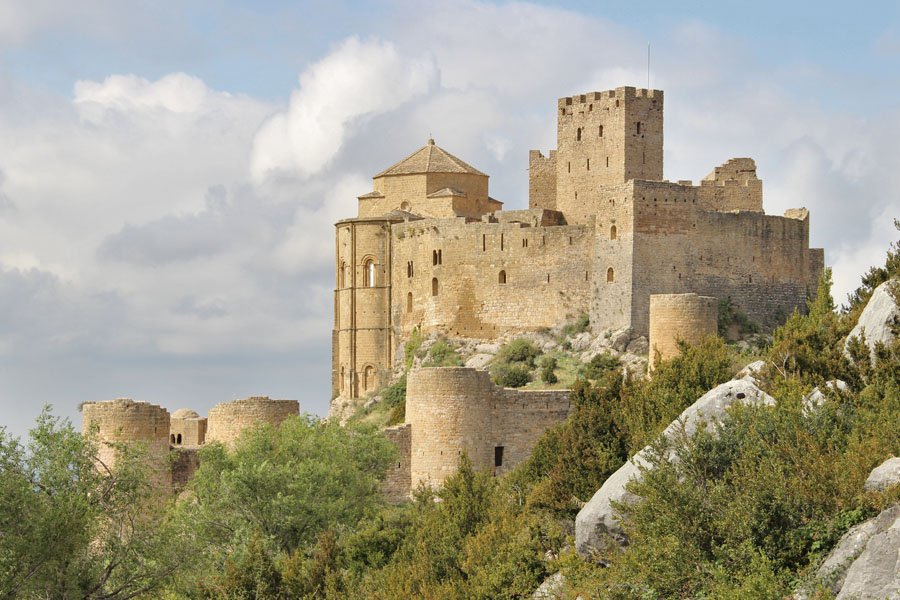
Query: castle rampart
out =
(451, 410)
(397, 479)
(674, 317)
(228, 419)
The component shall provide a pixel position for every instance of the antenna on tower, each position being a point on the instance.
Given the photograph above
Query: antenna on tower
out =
(648, 65)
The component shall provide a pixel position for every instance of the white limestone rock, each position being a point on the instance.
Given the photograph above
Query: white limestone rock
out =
(619, 339)
(884, 475)
(551, 588)
(639, 345)
(581, 342)
(479, 361)
(817, 397)
(597, 525)
(877, 318)
(489, 348)
(751, 371)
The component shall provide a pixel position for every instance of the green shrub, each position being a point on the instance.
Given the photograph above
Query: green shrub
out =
(579, 325)
(548, 368)
(411, 348)
(398, 414)
(729, 315)
(519, 350)
(598, 366)
(395, 393)
(512, 375)
(442, 354)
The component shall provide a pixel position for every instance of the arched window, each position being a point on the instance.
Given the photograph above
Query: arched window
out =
(369, 273)
(409, 302)
(434, 286)
(172, 439)
(578, 135)
(610, 275)
(178, 439)
(502, 277)
(369, 378)
(612, 232)
(342, 275)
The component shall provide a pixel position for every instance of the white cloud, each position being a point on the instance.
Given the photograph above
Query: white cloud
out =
(359, 78)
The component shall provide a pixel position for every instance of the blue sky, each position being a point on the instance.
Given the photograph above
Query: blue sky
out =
(170, 171)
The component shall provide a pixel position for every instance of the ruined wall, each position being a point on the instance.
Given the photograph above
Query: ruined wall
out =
(732, 186)
(451, 410)
(760, 261)
(124, 420)
(688, 317)
(605, 138)
(396, 484)
(362, 323)
(228, 419)
(542, 180)
(489, 278)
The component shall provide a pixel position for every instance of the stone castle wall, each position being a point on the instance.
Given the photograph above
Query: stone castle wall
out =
(124, 420)
(451, 410)
(542, 180)
(395, 486)
(687, 317)
(483, 279)
(228, 419)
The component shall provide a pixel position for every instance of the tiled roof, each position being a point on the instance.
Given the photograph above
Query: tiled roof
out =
(430, 159)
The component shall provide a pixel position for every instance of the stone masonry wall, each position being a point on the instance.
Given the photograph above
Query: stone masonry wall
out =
(124, 420)
(489, 278)
(397, 479)
(688, 317)
(192, 431)
(228, 419)
(451, 410)
(542, 180)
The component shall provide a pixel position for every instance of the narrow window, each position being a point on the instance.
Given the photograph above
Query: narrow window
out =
(570, 240)
(502, 277)
(178, 439)
(343, 279)
(610, 275)
(172, 439)
(548, 277)
(612, 232)
(607, 162)
(434, 257)
(601, 131)
(617, 103)
(501, 241)
(434, 286)
(578, 135)
(498, 456)
(576, 195)
(543, 240)
(569, 166)
(644, 159)
(342, 379)
(751, 278)
(409, 302)
(588, 164)
(484, 242)
(585, 275)
(590, 108)
(639, 128)
(369, 273)
(440, 257)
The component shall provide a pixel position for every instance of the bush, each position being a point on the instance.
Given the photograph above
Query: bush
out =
(579, 325)
(395, 393)
(512, 375)
(411, 349)
(729, 315)
(548, 366)
(519, 350)
(598, 366)
(442, 354)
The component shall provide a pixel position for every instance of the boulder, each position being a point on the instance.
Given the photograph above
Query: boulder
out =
(479, 361)
(581, 342)
(751, 372)
(884, 475)
(487, 348)
(638, 345)
(877, 318)
(619, 339)
(551, 588)
(597, 525)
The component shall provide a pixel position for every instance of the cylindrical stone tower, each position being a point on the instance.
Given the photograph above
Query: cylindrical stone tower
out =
(449, 410)
(227, 419)
(124, 420)
(680, 316)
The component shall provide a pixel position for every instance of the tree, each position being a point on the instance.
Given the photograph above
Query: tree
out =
(71, 528)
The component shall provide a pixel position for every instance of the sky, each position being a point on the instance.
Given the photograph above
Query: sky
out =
(170, 171)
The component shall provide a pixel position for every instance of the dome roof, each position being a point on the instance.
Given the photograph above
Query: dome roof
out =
(185, 413)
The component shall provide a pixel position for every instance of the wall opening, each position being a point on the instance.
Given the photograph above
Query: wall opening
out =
(610, 275)
(342, 379)
(600, 131)
(178, 439)
(588, 164)
(607, 162)
(569, 166)
(578, 134)
(502, 277)
(341, 275)
(409, 302)
(498, 456)
(501, 241)
(440, 257)
(172, 439)
(434, 286)
(369, 378)
(369, 273)
(434, 257)
(483, 242)
(612, 232)
(638, 128)
(548, 277)
(524, 242)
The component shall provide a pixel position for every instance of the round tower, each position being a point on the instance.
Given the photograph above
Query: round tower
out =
(227, 419)
(124, 420)
(449, 410)
(688, 317)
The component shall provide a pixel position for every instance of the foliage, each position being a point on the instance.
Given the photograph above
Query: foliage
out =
(411, 349)
(598, 366)
(72, 528)
(579, 325)
(730, 316)
(874, 277)
(548, 368)
(395, 393)
(442, 354)
(518, 351)
(397, 415)
(512, 375)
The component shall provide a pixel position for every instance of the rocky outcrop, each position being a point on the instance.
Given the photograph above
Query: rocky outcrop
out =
(551, 589)
(877, 319)
(884, 475)
(597, 527)
(818, 397)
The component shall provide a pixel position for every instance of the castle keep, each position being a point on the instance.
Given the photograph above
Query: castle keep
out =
(604, 234)
(430, 249)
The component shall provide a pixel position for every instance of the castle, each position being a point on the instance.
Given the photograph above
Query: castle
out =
(431, 250)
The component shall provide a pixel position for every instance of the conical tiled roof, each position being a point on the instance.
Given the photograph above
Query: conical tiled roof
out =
(430, 159)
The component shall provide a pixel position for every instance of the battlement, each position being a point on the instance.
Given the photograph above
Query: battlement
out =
(620, 93)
